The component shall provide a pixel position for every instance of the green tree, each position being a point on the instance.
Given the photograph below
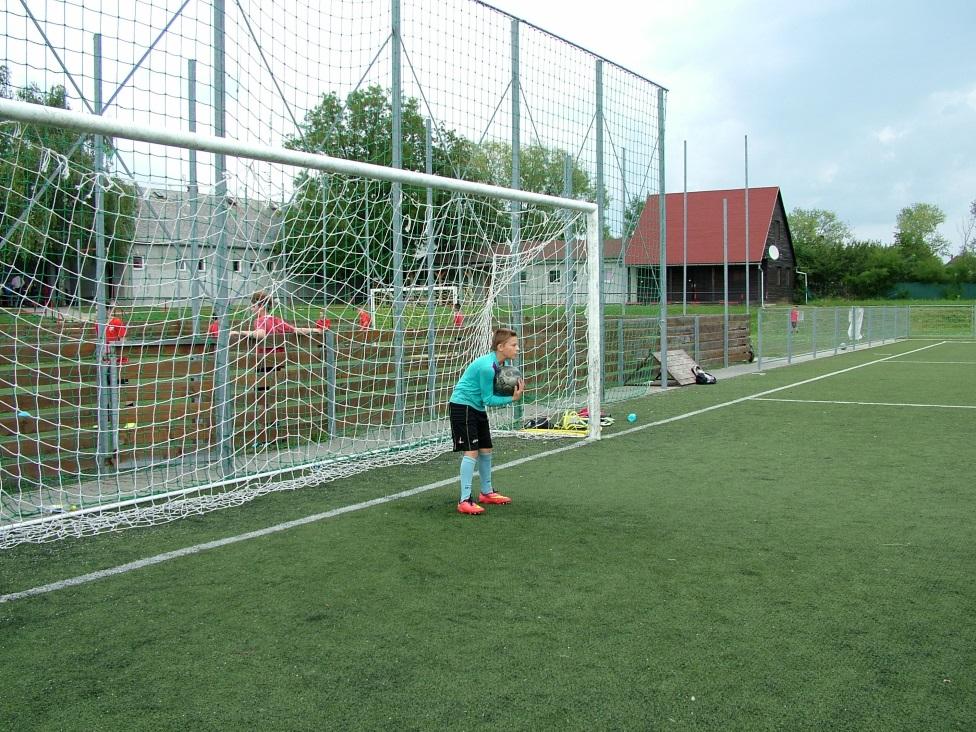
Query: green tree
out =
(338, 227)
(632, 214)
(47, 193)
(870, 269)
(819, 242)
(918, 228)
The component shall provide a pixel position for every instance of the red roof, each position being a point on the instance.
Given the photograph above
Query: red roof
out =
(704, 227)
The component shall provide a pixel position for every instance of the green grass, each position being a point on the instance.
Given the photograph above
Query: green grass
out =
(766, 565)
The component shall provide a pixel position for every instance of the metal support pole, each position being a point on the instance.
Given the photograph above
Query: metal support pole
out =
(601, 208)
(516, 287)
(836, 328)
(663, 234)
(429, 228)
(813, 334)
(684, 241)
(697, 337)
(623, 240)
(789, 339)
(620, 352)
(747, 221)
(103, 350)
(725, 282)
(569, 266)
(222, 391)
(399, 325)
(330, 381)
(759, 339)
(193, 192)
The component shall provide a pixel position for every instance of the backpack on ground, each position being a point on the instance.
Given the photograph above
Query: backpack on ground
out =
(703, 377)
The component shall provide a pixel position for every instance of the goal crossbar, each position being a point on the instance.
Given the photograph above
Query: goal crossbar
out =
(38, 114)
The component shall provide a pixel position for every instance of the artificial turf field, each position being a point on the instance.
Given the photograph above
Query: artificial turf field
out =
(800, 560)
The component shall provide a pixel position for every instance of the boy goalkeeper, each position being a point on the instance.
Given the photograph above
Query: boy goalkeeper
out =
(470, 430)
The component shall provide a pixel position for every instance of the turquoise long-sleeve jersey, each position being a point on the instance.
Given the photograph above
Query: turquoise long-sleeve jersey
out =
(476, 385)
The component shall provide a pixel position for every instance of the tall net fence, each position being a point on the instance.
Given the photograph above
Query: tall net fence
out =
(114, 250)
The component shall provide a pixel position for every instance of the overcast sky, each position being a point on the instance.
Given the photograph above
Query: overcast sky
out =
(860, 107)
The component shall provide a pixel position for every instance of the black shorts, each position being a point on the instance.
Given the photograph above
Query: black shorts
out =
(469, 428)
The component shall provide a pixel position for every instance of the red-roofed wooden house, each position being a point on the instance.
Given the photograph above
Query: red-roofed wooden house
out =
(771, 265)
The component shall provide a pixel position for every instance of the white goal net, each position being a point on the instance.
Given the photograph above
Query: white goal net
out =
(170, 348)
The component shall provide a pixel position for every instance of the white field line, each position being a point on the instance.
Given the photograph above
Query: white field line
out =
(198, 548)
(868, 404)
(941, 363)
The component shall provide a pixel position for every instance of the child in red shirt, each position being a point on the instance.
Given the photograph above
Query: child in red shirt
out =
(458, 315)
(365, 320)
(324, 322)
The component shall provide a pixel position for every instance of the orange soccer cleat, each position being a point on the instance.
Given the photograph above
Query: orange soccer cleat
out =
(494, 498)
(470, 507)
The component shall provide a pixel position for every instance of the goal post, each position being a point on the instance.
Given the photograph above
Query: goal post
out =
(182, 392)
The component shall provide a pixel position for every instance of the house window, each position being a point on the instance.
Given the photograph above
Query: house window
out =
(138, 262)
(236, 265)
(555, 275)
(181, 265)
(202, 265)
(523, 276)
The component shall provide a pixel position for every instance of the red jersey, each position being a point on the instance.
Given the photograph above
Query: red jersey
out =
(458, 319)
(212, 330)
(364, 319)
(323, 324)
(115, 330)
(272, 325)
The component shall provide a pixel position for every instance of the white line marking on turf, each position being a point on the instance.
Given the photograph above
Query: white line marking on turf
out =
(950, 363)
(198, 548)
(867, 404)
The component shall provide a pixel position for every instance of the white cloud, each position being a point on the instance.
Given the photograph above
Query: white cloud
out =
(888, 134)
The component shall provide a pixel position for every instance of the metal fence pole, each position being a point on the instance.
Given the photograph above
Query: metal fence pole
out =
(103, 352)
(662, 223)
(516, 286)
(193, 191)
(725, 282)
(759, 339)
(836, 328)
(330, 381)
(789, 339)
(620, 352)
(813, 335)
(224, 413)
(697, 338)
(399, 325)
(429, 226)
(569, 269)
(601, 206)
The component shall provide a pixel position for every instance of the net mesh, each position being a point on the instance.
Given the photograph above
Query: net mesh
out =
(225, 347)
(187, 234)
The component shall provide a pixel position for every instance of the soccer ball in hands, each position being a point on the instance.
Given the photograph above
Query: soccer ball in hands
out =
(506, 379)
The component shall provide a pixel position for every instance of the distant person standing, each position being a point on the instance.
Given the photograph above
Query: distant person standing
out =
(794, 318)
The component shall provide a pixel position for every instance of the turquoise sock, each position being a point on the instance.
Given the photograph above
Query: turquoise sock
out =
(467, 476)
(484, 471)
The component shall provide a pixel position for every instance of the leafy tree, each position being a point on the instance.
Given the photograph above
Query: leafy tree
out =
(962, 268)
(819, 242)
(339, 228)
(871, 269)
(918, 228)
(632, 214)
(341, 225)
(47, 194)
